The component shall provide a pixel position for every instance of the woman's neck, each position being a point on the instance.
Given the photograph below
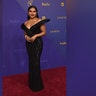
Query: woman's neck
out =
(33, 19)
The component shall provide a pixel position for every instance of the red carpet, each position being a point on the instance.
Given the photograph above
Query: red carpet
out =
(54, 82)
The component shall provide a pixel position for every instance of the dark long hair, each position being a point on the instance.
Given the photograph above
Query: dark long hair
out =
(35, 9)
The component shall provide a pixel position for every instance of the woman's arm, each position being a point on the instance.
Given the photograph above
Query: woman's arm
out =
(43, 32)
(27, 38)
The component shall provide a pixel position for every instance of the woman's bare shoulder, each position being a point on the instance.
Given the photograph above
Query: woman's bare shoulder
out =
(26, 22)
(39, 19)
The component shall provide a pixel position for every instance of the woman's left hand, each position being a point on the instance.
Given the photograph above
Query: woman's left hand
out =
(33, 38)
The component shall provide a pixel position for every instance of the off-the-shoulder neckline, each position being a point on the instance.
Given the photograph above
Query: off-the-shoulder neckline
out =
(34, 24)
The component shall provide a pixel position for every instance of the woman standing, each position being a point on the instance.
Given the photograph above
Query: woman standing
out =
(34, 28)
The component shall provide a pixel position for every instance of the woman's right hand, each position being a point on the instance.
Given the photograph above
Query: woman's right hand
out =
(28, 38)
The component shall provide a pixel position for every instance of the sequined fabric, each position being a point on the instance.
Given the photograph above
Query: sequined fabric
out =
(34, 51)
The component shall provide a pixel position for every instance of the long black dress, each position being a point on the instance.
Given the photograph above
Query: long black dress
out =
(34, 51)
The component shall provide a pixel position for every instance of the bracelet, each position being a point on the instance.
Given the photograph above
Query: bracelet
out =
(25, 36)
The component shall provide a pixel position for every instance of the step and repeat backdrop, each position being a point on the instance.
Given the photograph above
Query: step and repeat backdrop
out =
(14, 55)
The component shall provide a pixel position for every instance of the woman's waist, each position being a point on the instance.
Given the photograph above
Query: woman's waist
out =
(38, 39)
(32, 33)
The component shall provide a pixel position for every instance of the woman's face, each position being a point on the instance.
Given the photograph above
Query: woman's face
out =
(32, 13)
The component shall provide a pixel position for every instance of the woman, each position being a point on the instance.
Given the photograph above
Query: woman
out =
(34, 28)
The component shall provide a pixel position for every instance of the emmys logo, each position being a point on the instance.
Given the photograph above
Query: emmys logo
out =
(30, 2)
(63, 43)
(14, 21)
(43, 61)
(62, 4)
(45, 4)
(62, 17)
(54, 31)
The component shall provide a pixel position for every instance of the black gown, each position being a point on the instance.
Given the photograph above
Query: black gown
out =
(34, 51)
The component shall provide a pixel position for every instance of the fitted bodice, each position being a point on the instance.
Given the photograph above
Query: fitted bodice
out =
(35, 29)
